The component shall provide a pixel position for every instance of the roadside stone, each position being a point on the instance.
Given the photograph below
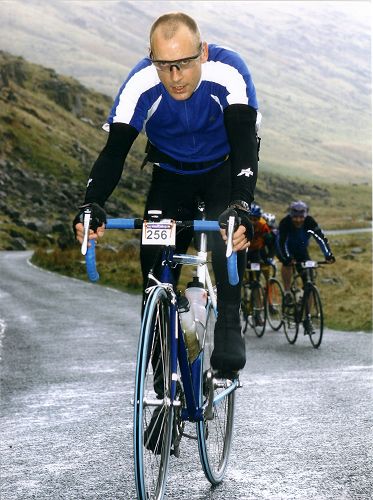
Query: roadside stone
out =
(357, 250)
(330, 280)
(18, 244)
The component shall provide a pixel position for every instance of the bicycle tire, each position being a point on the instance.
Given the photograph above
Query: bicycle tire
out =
(245, 306)
(274, 300)
(152, 438)
(315, 314)
(291, 325)
(258, 302)
(215, 435)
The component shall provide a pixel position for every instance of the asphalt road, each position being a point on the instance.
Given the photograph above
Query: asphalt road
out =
(303, 420)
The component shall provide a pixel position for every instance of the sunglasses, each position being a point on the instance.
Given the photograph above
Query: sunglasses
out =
(179, 64)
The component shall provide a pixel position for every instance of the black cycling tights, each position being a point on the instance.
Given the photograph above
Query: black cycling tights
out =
(176, 195)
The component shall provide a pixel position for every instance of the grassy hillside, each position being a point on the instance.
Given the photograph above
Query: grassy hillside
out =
(50, 134)
(310, 61)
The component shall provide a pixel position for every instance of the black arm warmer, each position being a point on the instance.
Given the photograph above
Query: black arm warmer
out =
(107, 169)
(240, 122)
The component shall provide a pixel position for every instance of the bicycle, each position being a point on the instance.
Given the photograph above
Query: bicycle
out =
(305, 306)
(253, 300)
(170, 388)
(274, 295)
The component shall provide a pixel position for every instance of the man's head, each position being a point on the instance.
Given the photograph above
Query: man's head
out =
(298, 211)
(177, 52)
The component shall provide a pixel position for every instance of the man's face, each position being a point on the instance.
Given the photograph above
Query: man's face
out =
(298, 220)
(179, 83)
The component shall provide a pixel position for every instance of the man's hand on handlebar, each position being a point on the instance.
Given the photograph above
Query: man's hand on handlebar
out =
(330, 259)
(243, 229)
(96, 223)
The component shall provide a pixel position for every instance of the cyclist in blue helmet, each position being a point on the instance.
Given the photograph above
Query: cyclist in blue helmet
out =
(294, 233)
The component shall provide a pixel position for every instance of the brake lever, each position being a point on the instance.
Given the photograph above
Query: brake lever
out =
(230, 231)
(86, 222)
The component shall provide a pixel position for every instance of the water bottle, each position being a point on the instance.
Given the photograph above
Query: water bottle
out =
(188, 325)
(192, 311)
(197, 297)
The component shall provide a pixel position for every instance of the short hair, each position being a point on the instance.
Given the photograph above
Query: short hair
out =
(170, 24)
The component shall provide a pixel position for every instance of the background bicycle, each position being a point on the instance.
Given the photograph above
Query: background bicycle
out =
(253, 300)
(174, 383)
(305, 306)
(274, 295)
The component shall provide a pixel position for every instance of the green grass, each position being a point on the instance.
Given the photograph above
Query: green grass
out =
(345, 287)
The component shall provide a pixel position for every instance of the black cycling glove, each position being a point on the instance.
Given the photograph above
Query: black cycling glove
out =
(98, 216)
(330, 258)
(239, 210)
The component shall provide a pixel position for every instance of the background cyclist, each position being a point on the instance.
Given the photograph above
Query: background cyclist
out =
(259, 246)
(197, 104)
(268, 253)
(294, 233)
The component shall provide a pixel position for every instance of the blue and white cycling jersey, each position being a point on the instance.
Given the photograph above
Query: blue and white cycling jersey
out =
(293, 242)
(189, 130)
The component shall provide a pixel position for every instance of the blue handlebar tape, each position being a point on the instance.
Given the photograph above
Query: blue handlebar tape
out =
(90, 260)
(120, 224)
(232, 269)
(206, 225)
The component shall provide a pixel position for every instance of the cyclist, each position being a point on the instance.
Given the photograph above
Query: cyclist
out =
(294, 233)
(257, 250)
(197, 104)
(262, 236)
(268, 253)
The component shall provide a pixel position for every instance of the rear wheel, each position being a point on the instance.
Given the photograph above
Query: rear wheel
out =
(274, 299)
(153, 414)
(215, 432)
(289, 314)
(314, 319)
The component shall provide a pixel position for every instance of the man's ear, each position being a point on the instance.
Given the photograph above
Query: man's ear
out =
(205, 52)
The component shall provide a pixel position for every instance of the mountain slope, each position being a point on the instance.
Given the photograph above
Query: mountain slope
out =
(310, 62)
(50, 135)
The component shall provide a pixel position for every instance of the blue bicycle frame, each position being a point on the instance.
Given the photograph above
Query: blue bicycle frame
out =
(190, 372)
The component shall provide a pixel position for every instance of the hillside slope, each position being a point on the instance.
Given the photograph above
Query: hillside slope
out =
(50, 135)
(310, 62)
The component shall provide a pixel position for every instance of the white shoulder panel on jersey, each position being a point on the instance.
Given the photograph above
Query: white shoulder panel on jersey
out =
(229, 77)
(140, 82)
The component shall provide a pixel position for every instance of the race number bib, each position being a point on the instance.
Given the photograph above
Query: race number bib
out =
(310, 263)
(162, 232)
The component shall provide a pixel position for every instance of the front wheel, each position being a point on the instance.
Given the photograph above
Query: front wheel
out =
(290, 319)
(215, 432)
(274, 299)
(314, 320)
(258, 301)
(153, 413)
